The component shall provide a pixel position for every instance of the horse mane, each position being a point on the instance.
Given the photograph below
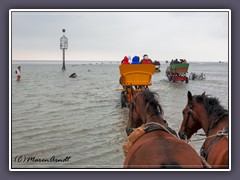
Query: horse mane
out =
(152, 99)
(212, 106)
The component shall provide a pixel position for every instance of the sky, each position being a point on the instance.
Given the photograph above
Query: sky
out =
(109, 36)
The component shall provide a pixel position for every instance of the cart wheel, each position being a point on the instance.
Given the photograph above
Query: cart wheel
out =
(123, 102)
(186, 79)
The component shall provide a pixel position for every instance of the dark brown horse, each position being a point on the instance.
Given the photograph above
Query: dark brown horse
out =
(206, 112)
(156, 145)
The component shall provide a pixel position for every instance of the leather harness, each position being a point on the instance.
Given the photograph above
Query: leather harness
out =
(204, 152)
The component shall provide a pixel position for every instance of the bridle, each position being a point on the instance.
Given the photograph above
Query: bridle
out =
(133, 103)
(189, 113)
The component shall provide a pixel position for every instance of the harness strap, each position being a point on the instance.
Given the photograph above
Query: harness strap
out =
(149, 127)
(140, 131)
(190, 113)
(216, 121)
(205, 163)
(203, 152)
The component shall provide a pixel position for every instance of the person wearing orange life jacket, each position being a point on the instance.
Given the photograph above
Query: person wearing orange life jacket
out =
(146, 60)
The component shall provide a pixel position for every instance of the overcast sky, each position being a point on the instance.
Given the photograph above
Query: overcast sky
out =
(195, 36)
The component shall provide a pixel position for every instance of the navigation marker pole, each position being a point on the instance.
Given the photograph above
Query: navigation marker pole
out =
(63, 46)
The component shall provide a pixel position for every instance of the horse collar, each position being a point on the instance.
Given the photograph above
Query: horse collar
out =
(152, 126)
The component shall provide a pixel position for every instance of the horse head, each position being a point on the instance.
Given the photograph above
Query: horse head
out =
(191, 112)
(143, 107)
(134, 120)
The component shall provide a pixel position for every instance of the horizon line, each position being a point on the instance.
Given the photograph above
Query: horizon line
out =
(56, 60)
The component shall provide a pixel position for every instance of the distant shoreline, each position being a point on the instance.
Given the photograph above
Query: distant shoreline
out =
(90, 62)
(60, 62)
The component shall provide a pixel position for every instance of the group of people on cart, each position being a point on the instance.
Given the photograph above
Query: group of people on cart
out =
(136, 60)
(176, 61)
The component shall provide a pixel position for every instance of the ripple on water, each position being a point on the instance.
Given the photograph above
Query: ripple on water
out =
(83, 118)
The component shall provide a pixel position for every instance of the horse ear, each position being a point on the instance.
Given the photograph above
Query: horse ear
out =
(190, 98)
(203, 95)
(132, 91)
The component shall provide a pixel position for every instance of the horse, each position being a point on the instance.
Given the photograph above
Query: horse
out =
(206, 112)
(194, 76)
(151, 142)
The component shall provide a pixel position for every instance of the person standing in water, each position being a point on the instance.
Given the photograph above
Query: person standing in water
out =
(19, 73)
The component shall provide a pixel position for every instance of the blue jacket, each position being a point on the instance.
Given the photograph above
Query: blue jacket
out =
(135, 60)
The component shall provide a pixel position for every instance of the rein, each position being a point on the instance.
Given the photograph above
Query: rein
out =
(219, 133)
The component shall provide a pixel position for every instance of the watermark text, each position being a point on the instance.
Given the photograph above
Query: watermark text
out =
(33, 159)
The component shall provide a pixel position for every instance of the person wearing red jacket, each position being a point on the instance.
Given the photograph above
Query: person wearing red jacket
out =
(125, 60)
(146, 60)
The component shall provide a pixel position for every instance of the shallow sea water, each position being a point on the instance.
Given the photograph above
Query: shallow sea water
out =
(54, 116)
